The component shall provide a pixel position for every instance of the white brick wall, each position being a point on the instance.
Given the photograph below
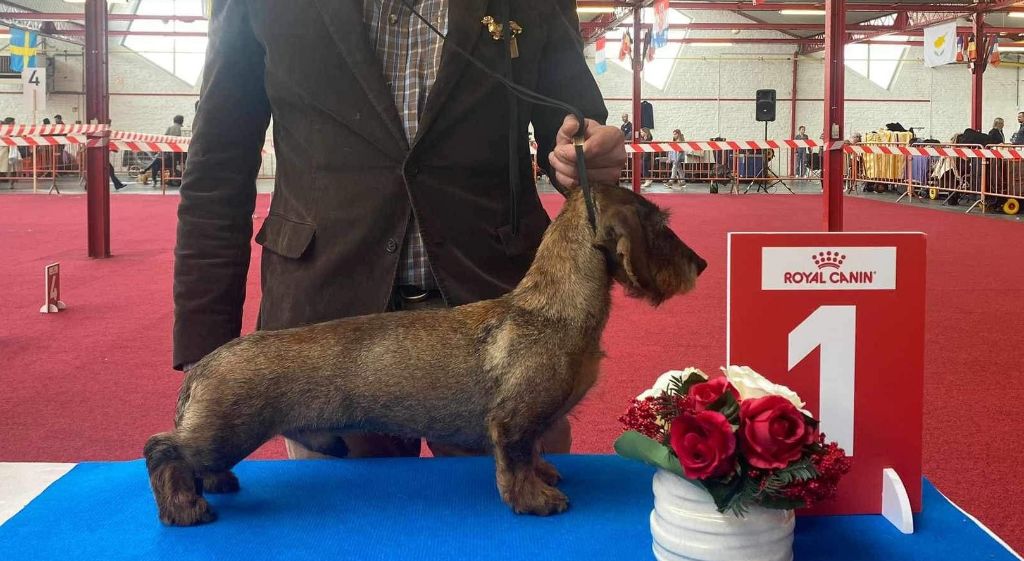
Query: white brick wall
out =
(143, 97)
(935, 100)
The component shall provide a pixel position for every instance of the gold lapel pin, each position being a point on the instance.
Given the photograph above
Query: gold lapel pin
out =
(493, 27)
(513, 44)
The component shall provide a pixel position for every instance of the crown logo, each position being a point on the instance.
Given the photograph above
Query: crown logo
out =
(828, 259)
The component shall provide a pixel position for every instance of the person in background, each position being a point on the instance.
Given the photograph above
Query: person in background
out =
(627, 127)
(8, 162)
(646, 136)
(46, 120)
(175, 129)
(678, 161)
(801, 153)
(997, 131)
(1018, 137)
(170, 161)
(58, 120)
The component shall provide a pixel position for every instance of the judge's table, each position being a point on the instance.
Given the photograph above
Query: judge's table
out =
(415, 509)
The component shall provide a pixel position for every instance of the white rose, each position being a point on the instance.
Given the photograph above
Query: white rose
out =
(750, 384)
(663, 381)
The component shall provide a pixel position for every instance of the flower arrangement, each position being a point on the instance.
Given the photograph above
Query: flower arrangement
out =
(744, 439)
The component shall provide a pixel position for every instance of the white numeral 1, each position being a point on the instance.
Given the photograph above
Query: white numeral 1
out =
(834, 329)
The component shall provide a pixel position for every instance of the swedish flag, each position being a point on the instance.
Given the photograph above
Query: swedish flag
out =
(23, 49)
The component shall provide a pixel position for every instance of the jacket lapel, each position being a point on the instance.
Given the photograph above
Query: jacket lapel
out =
(344, 19)
(464, 30)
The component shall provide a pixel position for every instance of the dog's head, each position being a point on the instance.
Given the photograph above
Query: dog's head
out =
(645, 256)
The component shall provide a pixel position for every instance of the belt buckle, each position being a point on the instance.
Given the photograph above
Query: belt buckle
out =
(413, 294)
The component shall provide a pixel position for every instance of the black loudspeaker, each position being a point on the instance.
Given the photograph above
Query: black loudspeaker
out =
(765, 105)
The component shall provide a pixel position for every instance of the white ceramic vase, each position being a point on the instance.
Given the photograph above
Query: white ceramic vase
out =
(686, 526)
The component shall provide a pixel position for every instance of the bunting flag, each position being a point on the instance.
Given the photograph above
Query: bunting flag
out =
(660, 23)
(959, 48)
(627, 46)
(649, 47)
(600, 62)
(994, 59)
(972, 49)
(23, 49)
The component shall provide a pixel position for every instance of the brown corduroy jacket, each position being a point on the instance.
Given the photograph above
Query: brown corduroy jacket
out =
(347, 178)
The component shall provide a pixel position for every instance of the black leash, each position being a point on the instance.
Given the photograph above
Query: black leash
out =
(531, 96)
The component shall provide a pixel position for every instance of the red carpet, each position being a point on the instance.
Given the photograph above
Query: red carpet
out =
(93, 382)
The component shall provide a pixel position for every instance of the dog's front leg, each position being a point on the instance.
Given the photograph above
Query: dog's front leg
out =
(518, 465)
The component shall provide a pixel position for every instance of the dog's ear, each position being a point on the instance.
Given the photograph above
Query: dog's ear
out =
(622, 237)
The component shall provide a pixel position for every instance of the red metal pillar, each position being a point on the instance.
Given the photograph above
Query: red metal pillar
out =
(792, 114)
(978, 70)
(835, 91)
(638, 72)
(97, 110)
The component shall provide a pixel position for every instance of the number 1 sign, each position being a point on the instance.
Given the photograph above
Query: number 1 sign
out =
(839, 318)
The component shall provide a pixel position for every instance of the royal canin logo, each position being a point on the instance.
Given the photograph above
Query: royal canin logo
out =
(829, 266)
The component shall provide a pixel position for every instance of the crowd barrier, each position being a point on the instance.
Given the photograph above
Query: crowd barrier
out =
(748, 165)
(989, 177)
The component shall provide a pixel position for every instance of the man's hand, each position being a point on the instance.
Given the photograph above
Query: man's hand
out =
(604, 152)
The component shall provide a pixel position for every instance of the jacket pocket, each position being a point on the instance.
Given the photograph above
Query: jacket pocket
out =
(285, 237)
(531, 229)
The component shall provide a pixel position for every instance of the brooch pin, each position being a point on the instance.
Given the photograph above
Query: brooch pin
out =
(497, 29)
(493, 27)
(514, 31)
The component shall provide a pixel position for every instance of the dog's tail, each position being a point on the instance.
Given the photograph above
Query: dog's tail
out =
(177, 489)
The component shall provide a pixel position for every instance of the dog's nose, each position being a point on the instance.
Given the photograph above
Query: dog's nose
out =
(701, 264)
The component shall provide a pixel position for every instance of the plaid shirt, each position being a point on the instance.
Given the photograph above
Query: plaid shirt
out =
(410, 54)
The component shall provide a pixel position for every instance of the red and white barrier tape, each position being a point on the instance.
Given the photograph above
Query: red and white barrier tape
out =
(33, 130)
(140, 137)
(1003, 153)
(722, 145)
(939, 151)
(136, 146)
(41, 140)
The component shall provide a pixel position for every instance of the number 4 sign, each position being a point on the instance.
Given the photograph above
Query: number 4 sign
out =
(839, 318)
(53, 302)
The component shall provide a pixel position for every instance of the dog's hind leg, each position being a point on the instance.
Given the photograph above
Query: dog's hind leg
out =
(178, 492)
(517, 461)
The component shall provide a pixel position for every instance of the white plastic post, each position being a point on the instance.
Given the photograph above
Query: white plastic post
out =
(895, 502)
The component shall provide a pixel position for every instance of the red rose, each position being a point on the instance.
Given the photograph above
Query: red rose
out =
(773, 432)
(704, 443)
(706, 393)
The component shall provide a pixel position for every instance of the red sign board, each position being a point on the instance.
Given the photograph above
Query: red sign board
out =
(839, 318)
(53, 302)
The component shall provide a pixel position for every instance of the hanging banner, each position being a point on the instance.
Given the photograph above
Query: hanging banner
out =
(600, 61)
(660, 23)
(940, 44)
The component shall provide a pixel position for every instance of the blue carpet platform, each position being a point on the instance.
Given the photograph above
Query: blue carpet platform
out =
(422, 510)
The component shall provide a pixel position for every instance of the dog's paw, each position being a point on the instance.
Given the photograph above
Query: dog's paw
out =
(541, 500)
(221, 482)
(189, 511)
(547, 472)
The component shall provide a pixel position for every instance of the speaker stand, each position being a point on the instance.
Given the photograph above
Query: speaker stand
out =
(768, 177)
